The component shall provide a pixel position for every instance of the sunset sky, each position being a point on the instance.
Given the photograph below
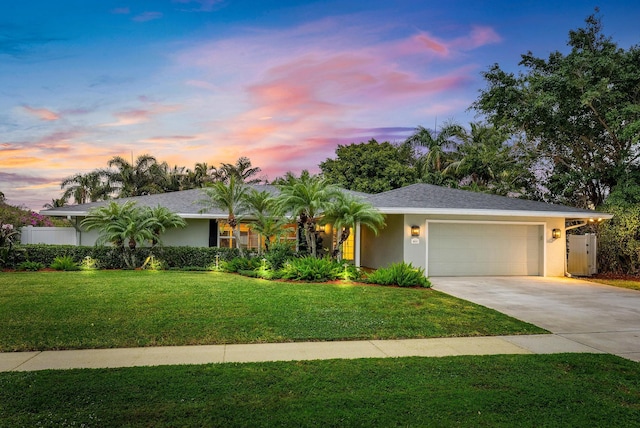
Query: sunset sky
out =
(281, 82)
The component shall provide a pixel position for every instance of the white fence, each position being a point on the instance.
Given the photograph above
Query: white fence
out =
(582, 255)
(48, 235)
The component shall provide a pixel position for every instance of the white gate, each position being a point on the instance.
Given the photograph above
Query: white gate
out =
(581, 260)
(48, 235)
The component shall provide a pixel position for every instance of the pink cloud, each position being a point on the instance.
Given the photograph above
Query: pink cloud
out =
(480, 36)
(141, 115)
(41, 113)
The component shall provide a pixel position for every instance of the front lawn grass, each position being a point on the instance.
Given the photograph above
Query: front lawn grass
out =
(110, 309)
(562, 390)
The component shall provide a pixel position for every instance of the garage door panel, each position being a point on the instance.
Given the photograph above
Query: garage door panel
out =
(483, 249)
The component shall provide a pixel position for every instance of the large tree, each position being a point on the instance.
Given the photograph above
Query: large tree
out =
(307, 199)
(580, 109)
(230, 197)
(344, 213)
(142, 177)
(83, 188)
(371, 167)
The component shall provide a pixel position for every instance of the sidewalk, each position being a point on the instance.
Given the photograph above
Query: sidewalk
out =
(172, 355)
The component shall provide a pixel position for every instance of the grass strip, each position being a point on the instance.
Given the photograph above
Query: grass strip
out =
(506, 390)
(111, 309)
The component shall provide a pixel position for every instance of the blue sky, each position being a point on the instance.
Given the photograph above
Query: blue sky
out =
(282, 82)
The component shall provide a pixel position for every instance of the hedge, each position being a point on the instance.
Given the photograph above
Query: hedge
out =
(111, 258)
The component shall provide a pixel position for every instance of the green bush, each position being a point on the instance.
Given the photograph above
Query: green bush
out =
(278, 254)
(64, 263)
(312, 269)
(238, 264)
(111, 258)
(30, 266)
(401, 274)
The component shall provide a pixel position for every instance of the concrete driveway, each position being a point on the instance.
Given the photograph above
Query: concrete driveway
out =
(600, 316)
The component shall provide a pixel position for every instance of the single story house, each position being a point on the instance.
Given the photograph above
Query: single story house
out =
(448, 232)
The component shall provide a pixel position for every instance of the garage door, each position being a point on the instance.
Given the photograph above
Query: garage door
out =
(457, 249)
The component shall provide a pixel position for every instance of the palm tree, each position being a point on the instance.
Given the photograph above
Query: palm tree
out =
(55, 203)
(266, 220)
(306, 198)
(144, 177)
(122, 225)
(345, 212)
(440, 145)
(162, 219)
(230, 197)
(241, 170)
(89, 187)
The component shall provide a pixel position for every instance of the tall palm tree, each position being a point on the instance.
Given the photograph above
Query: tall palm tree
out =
(229, 197)
(307, 198)
(440, 145)
(266, 220)
(143, 177)
(83, 188)
(241, 170)
(345, 212)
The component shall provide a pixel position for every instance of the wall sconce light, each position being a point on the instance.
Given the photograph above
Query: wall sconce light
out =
(556, 233)
(415, 230)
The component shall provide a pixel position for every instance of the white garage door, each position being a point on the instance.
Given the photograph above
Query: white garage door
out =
(461, 249)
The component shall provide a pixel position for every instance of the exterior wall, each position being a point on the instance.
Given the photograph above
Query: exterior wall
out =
(415, 247)
(195, 234)
(384, 249)
(48, 235)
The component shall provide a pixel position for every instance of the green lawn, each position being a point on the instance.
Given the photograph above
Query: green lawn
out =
(105, 309)
(564, 390)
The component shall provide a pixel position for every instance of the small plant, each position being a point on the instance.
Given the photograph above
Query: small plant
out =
(278, 254)
(154, 263)
(312, 269)
(65, 263)
(89, 263)
(400, 274)
(30, 266)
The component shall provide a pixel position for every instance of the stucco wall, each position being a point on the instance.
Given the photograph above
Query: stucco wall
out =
(196, 234)
(384, 249)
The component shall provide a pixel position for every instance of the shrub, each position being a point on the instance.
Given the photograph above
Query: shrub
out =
(278, 254)
(31, 266)
(238, 264)
(312, 269)
(64, 263)
(401, 274)
(89, 263)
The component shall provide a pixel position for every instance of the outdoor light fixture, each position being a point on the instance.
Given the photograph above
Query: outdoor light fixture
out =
(556, 233)
(415, 230)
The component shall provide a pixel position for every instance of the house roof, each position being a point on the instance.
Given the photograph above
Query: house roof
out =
(423, 198)
(417, 198)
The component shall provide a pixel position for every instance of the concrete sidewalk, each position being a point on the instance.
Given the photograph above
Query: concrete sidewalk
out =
(170, 355)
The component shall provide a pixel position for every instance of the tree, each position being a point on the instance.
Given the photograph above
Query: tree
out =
(266, 220)
(83, 188)
(56, 203)
(441, 146)
(230, 197)
(371, 167)
(306, 198)
(162, 219)
(489, 162)
(145, 176)
(241, 170)
(122, 225)
(581, 111)
(344, 212)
